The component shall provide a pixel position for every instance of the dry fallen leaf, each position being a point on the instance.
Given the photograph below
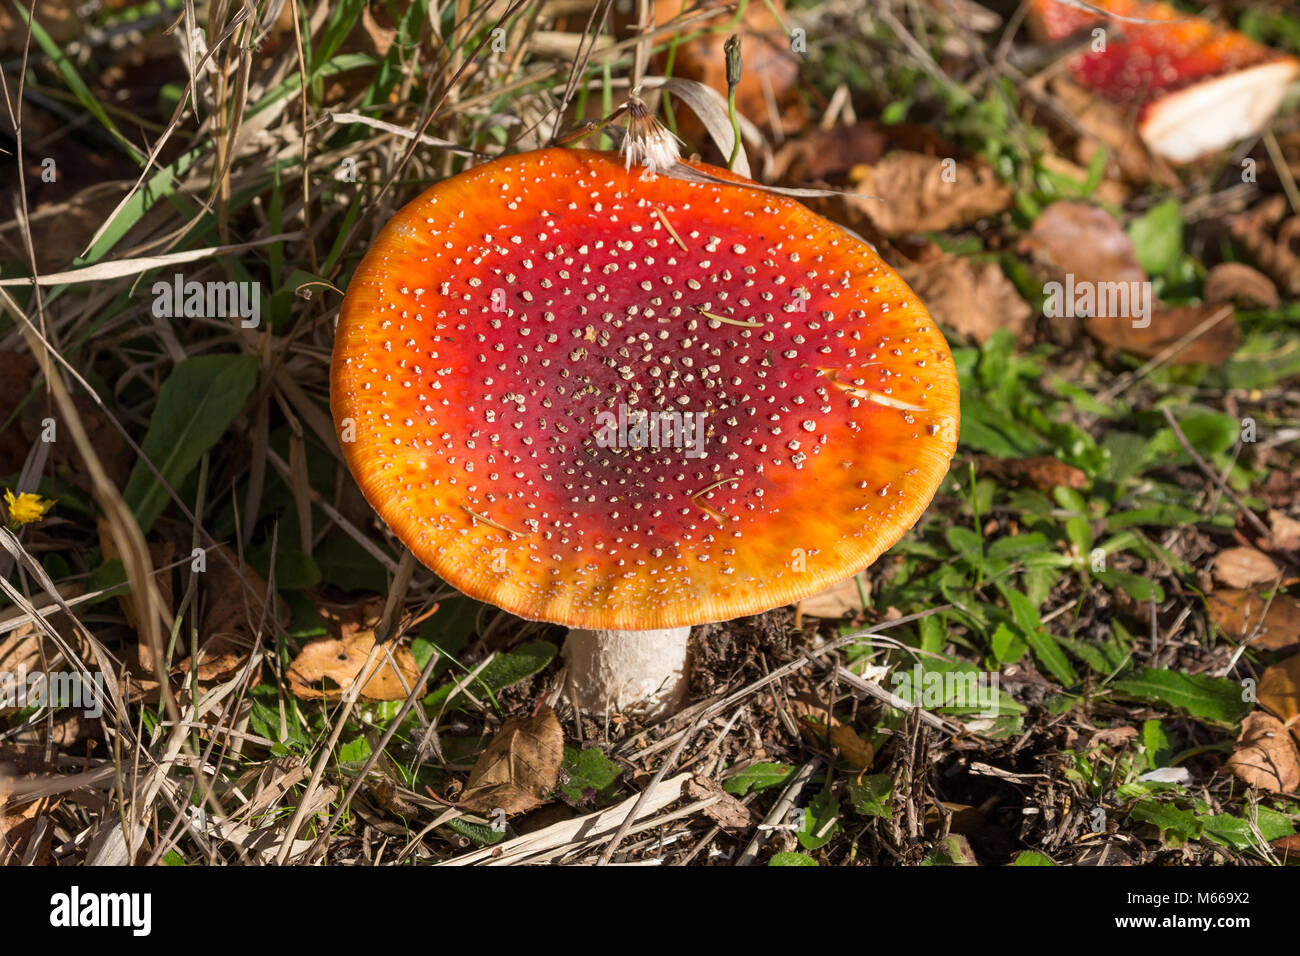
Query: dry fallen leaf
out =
(1169, 326)
(1233, 281)
(1289, 847)
(380, 35)
(1084, 241)
(339, 661)
(837, 600)
(917, 193)
(828, 156)
(974, 299)
(815, 720)
(962, 818)
(767, 93)
(519, 767)
(1043, 472)
(1279, 693)
(728, 812)
(20, 823)
(1265, 755)
(1106, 124)
(1238, 612)
(1285, 531)
(1244, 568)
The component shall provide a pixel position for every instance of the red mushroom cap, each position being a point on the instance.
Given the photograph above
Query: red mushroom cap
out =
(1197, 86)
(496, 318)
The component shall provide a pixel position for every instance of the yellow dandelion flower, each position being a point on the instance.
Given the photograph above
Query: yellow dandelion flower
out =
(26, 508)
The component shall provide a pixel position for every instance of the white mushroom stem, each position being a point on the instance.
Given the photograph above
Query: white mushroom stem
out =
(641, 674)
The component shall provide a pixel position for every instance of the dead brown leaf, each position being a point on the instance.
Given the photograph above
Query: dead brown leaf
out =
(1239, 612)
(21, 823)
(1285, 531)
(1289, 847)
(1168, 326)
(519, 767)
(1043, 472)
(381, 36)
(918, 193)
(239, 606)
(828, 156)
(728, 812)
(974, 299)
(1265, 755)
(1234, 281)
(1279, 693)
(770, 67)
(1105, 124)
(815, 720)
(837, 600)
(1244, 567)
(1084, 241)
(328, 667)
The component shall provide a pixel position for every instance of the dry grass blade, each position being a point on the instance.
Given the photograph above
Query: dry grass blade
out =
(581, 832)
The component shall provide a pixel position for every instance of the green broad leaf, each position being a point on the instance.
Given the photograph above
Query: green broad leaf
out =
(1031, 858)
(954, 850)
(1006, 646)
(951, 686)
(1045, 647)
(1079, 530)
(1209, 698)
(791, 859)
(196, 405)
(1235, 832)
(1017, 546)
(1176, 826)
(757, 776)
(1126, 453)
(1210, 433)
(110, 578)
(933, 633)
(264, 720)
(592, 776)
(1089, 653)
(503, 671)
(965, 542)
(1160, 515)
(355, 751)
(871, 795)
(1156, 742)
(1157, 238)
(820, 821)
(1134, 585)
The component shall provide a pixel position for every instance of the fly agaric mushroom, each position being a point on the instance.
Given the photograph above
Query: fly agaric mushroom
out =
(1197, 87)
(629, 404)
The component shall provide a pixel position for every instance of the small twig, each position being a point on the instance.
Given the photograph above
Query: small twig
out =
(1213, 476)
(608, 853)
(872, 689)
(779, 811)
(1129, 379)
